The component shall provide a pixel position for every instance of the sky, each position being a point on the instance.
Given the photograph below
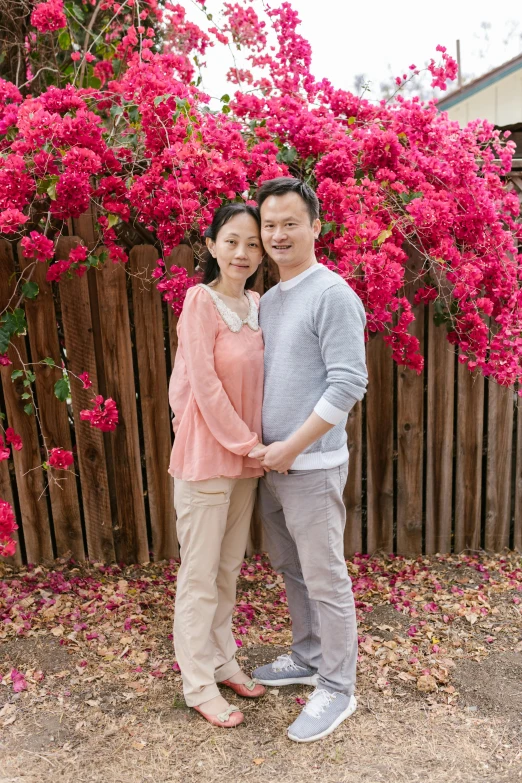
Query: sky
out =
(350, 38)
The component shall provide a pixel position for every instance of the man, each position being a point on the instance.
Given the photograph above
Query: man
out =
(315, 371)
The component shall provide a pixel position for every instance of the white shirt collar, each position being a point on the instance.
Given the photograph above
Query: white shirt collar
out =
(288, 284)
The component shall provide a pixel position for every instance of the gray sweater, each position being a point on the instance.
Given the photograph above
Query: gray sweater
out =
(313, 327)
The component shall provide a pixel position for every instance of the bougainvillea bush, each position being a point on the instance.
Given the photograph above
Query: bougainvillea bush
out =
(102, 103)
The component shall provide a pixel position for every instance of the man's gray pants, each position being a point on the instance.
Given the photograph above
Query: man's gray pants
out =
(304, 518)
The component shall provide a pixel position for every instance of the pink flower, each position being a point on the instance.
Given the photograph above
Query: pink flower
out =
(48, 17)
(11, 220)
(14, 439)
(78, 254)
(60, 458)
(84, 378)
(18, 680)
(104, 416)
(37, 246)
(7, 527)
(76, 56)
(5, 361)
(5, 453)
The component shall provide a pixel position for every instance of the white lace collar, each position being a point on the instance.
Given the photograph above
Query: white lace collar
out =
(232, 319)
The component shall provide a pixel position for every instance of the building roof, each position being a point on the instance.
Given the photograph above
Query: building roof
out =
(481, 83)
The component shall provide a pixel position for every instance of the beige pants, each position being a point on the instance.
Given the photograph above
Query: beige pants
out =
(213, 524)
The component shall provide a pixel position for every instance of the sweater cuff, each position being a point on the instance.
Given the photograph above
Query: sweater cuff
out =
(329, 412)
(250, 445)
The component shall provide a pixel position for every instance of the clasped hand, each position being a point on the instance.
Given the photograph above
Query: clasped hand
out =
(279, 456)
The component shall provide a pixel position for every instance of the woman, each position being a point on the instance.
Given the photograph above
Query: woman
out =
(216, 394)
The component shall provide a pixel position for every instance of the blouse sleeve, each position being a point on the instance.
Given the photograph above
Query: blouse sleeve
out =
(198, 330)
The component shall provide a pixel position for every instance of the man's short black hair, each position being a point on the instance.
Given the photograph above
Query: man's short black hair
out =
(280, 186)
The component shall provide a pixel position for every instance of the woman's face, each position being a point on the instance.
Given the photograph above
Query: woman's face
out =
(237, 249)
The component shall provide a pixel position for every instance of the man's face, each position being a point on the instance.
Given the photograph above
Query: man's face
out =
(286, 231)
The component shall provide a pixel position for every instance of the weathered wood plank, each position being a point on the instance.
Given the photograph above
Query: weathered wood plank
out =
(54, 420)
(410, 441)
(379, 433)
(517, 540)
(498, 481)
(6, 493)
(29, 476)
(410, 431)
(183, 256)
(439, 466)
(353, 490)
(155, 416)
(468, 489)
(79, 344)
(131, 530)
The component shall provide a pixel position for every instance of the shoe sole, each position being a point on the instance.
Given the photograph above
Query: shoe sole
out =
(352, 706)
(293, 681)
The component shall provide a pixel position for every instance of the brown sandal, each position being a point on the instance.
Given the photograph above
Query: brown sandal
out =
(225, 720)
(249, 690)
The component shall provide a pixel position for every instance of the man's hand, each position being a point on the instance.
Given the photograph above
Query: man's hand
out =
(279, 456)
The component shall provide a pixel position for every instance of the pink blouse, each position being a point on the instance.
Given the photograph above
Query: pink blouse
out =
(216, 390)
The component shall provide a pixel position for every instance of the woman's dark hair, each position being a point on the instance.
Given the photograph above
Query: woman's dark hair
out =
(222, 216)
(283, 185)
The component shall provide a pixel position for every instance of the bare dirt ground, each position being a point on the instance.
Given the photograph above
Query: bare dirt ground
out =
(90, 690)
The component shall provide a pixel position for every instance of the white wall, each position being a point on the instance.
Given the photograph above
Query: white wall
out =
(500, 103)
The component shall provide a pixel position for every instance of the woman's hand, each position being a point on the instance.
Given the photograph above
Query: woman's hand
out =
(258, 452)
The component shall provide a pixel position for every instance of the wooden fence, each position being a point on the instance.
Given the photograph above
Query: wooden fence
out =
(435, 459)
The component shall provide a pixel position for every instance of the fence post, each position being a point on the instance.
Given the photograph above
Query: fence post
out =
(439, 463)
(81, 357)
(155, 417)
(379, 434)
(29, 476)
(54, 421)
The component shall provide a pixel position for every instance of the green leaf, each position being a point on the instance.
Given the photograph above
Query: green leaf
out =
(26, 396)
(112, 220)
(384, 235)
(116, 110)
(327, 227)
(287, 155)
(48, 360)
(64, 40)
(15, 323)
(43, 184)
(61, 389)
(30, 290)
(76, 11)
(16, 374)
(407, 197)
(94, 82)
(4, 339)
(2, 416)
(51, 191)
(226, 109)
(225, 98)
(160, 98)
(29, 408)
(351, 120)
